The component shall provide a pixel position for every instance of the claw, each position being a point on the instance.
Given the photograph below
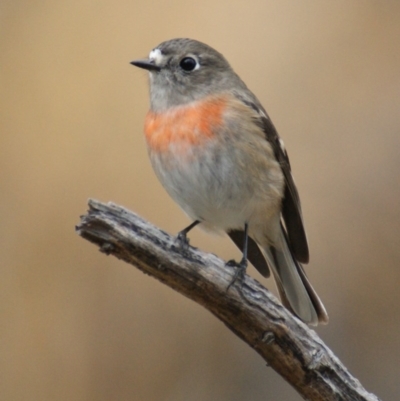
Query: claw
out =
(239, 273)
(242, 266)
(182, 241)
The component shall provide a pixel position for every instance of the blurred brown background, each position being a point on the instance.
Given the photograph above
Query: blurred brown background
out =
(77, 325)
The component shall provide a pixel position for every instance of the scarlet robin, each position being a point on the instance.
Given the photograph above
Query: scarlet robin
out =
(216, 152)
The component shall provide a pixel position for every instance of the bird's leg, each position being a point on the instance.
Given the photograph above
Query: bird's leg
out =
(182, 238)
(242, 265)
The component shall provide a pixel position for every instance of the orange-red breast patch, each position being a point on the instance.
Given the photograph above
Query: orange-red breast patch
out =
(184, 126)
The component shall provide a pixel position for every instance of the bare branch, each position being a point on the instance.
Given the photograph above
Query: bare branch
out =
(248, 309)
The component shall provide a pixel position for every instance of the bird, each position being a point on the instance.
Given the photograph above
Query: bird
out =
(218, 155)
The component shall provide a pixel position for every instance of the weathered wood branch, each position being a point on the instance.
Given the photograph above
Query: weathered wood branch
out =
(248, 309)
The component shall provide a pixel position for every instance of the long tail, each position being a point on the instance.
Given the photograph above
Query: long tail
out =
(295, 290)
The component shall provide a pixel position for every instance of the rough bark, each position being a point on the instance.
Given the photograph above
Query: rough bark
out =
(248, 309)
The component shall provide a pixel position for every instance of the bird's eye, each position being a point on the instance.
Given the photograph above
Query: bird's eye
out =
(188, 64)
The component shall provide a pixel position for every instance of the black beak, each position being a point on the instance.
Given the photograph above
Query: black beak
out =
(146, 64)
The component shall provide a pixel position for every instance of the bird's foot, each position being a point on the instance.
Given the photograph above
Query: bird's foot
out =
(240, 271)
(182, 241)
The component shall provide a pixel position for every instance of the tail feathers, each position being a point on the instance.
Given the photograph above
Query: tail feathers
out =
(322, 314)
(295, 290)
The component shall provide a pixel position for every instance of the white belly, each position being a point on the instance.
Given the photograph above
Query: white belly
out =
(220, 186)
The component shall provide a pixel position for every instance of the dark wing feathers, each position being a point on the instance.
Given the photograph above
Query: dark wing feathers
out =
(291, 207)
(293, 220)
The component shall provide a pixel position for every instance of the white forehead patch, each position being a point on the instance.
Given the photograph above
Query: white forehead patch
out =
(156, 56)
